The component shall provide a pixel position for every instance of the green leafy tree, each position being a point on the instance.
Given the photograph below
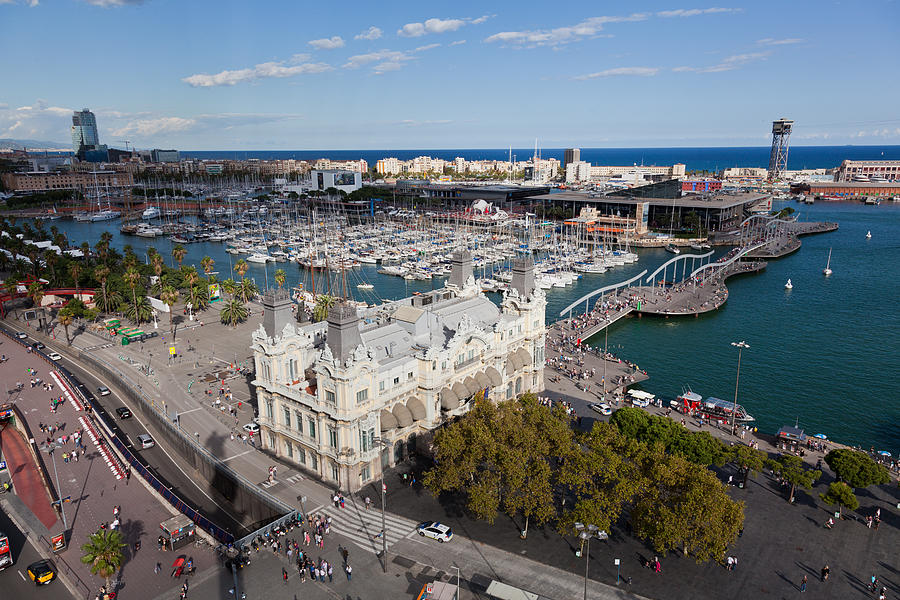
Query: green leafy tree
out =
(132, 278)
(191, 278)
(140, 311)
(178, 253)
(839, 493)
(101, 274)
(323, 304)
(247, 290)
(229, 287)
(233, 312)
(36, 292)
(103, 553)
(280, 277)
(207, 264)
(793, 470)
(240, 267)
(686, 508)
(856, 469)
(750, 460)
(75, 272)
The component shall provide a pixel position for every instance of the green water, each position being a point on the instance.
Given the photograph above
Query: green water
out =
(822, 354)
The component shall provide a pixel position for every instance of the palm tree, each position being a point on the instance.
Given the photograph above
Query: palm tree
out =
(65, 319)
(75, 272)
(158, 264)
(169, 295)
(140, 311)
(207, 264)
(240, 267)
(280, 277)
(229, 287)
(247, 289)
(101, 274)
(36, 292)
(108, 297)
(200, 294)
(190, 277)
(323, 304)
(132, 278)
(178, 253)
(104, 553)
(233, 312)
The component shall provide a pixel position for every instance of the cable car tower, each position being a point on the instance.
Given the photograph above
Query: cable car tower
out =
(778, 157)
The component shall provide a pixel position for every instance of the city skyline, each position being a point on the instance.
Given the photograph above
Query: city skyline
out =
(224, 76)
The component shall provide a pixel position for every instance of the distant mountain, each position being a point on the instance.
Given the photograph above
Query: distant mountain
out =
(8, 143)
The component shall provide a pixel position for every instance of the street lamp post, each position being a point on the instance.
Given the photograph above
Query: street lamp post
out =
(740, 346)
(382, 443)
(49, 448)
(586, 532)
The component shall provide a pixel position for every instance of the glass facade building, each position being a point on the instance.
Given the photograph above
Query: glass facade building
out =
(84, 132)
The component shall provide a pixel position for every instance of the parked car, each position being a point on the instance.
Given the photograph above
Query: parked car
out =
(251, 428)
(602, 408)
(436, 531)
(123, 412)
(41, 572)
(145, 441)
(103, 390)
(37, 345)
(54, 356)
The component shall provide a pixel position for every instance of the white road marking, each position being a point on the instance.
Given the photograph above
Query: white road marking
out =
(22, 576)
(236, 455)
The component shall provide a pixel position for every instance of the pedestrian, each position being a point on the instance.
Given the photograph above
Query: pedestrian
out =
(330, 574)
(803, 584)
(349, 570)
(284, 575)
(368, 502)
(825, 572)
(157, 568)
(729, 563)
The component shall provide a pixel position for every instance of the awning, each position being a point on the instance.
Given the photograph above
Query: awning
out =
(449, 400)
(494, 376)
(483, 381)
(523, 358)
(471, 385)
(510, 366)
(404, 417)
(388, 421)
(416, 408)
(461, 391)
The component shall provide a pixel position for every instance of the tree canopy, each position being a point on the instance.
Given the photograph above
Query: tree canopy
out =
(839, 493)
(856, 469)
(794, 471)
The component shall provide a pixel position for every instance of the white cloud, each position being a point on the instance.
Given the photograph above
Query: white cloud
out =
(37, 120)
(260, 71)
(40, 107)
(152, 127)
(111, 3)
(327, 43)
(359, 60)
(638, 71)
(458, 43)
(438, 26)
(693, 12)
(879, 133)
(372, 33)
(31, 3)
(296, 59)
(426, 47)
(414, 123)
(783, 42)
(561, 35)
(727, 64)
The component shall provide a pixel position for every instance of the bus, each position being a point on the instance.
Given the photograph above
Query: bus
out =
(6, 557)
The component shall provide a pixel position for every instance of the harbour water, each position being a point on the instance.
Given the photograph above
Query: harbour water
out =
(821, 355)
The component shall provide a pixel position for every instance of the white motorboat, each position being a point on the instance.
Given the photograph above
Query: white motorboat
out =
(148, 231)
(151, 212)
(673, 249)
(365, 286)
(104, 215)
(868, 235)
(789, 285)
(258, 257)
(827, 269)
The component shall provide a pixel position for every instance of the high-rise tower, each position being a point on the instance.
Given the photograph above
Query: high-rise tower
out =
(84, 132)
(781, 137)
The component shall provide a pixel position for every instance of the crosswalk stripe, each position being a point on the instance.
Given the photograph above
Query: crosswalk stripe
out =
(362, 527)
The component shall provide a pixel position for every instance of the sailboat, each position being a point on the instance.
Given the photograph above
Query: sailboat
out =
(827, 269)
(868, 235)
(789, 285)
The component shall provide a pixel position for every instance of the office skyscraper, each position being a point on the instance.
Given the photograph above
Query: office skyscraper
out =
(84, 132)
(571, 155)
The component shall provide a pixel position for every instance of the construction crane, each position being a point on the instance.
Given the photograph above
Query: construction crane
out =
(126, 142)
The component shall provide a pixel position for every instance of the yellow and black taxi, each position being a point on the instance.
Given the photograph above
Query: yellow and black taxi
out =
(42, 572)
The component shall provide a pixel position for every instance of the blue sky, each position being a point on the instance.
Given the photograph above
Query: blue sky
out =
(207, 75)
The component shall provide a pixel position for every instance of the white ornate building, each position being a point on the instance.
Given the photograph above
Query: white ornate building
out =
(329, 392)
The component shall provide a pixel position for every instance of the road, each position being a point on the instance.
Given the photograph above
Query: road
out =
(14, 581)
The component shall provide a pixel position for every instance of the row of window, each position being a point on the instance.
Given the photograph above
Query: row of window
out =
(311, 460)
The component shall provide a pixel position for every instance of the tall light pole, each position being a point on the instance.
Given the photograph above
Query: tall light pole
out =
(740, 346)
(382, 443)
(586, 532)
(49, 448)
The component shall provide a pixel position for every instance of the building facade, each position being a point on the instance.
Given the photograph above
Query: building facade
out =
(68, 180)
(868, 170)
(571, 155)
(350, 396)
(84, 132)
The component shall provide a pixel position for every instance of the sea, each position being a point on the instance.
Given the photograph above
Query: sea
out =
(694, 159)
(822, 355)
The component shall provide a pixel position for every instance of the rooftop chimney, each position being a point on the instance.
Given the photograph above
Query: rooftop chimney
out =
(343, 330)
(523, 276)
(460, 268)
(276, 311)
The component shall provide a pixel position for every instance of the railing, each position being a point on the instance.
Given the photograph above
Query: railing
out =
(63, 567)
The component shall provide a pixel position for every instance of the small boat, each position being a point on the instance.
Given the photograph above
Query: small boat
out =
(151, 212)
(365, 286)
(827, 269)
(868, 235)
(789, 285)
(673, 249)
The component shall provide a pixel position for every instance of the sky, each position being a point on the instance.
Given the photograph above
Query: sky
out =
(283, 74)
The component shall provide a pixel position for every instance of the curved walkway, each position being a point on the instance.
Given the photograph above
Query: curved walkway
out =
(27, 482)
